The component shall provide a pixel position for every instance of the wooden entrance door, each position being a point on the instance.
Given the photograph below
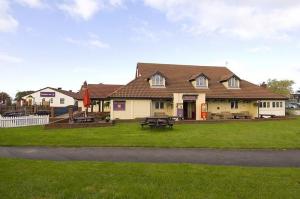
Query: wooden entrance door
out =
(189, 110)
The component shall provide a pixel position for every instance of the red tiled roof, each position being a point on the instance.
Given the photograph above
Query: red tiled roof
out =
(178, 82)
(100, 91)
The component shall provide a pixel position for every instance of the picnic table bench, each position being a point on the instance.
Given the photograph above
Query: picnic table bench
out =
(241, 116)
(157, 122)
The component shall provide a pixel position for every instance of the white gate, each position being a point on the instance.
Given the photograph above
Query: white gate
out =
(8, 122)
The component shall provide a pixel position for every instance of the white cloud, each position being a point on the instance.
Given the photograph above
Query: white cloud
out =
(84, 9)
(93, 41)
(116, 3)
(260, 49)
(7, 22)
(271, 19)
(4, 58)
(32, 3)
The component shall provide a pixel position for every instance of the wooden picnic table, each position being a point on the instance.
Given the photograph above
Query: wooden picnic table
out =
(240, 115)
(157, 122)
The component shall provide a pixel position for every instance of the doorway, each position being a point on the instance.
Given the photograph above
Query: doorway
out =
(189, 110)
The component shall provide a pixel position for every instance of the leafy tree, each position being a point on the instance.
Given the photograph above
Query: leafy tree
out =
(21, 94)
(283, 87)
(5, 98)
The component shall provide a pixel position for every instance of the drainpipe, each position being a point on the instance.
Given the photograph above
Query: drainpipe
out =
(258, 104)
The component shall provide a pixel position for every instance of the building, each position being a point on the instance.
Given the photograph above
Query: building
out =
(52, 97)
(295, 97)
(99, 94)
(189, 92)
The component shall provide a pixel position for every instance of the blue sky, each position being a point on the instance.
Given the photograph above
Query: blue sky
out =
(61, 43)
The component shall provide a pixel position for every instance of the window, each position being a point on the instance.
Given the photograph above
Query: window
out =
(264, 104)
(158, 80)
(62, 100)
(51, 100)
(277, 104)
(119, 105)
(280, 104)
(273, 104)
(159, 105)
(201, 82)
(234, 105)
(233, 83)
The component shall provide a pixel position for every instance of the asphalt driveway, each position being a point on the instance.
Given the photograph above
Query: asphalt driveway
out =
(265, 158)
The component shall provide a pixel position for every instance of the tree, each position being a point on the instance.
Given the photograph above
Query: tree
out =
(283, 87)
(21, 94)
(5, 98)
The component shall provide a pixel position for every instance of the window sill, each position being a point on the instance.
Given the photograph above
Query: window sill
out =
(233, 88)
(158, 86)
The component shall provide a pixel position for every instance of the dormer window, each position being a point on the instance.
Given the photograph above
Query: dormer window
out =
(201, 82)
(158, 80)
(233, 83)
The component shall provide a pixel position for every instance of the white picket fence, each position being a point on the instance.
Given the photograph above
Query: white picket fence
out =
(32, 120)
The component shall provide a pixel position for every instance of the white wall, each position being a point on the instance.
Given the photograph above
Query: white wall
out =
(133, 109)
(37, 99)
(278, 111)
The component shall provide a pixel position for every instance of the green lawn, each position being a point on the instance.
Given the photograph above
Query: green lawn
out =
(266, 134)
(45, 179)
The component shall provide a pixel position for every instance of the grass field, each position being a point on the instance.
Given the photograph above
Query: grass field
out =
(266, 134)
(45, 179)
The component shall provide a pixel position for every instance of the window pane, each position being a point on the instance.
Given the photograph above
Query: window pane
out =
(156, 105)
(273, 104)
(268, 104)
(277, 104)
(161, 105)
(280, 104)
(234, 105)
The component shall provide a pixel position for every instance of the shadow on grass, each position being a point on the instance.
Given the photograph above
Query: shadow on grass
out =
(156, 130)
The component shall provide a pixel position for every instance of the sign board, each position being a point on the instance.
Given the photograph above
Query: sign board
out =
(47, 94)
(189, 97)
(119, 105)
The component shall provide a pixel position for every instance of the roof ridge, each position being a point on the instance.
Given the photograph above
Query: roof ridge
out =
(182, 65)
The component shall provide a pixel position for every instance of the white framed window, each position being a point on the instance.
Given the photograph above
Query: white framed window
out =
(159, 105)
(265, 104)
(201, 82)
(62, 100)
(233, 83)
(158, 80)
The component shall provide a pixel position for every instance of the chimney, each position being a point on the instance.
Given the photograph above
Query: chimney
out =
(59, 88)
(70, 91)
(263, 85)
